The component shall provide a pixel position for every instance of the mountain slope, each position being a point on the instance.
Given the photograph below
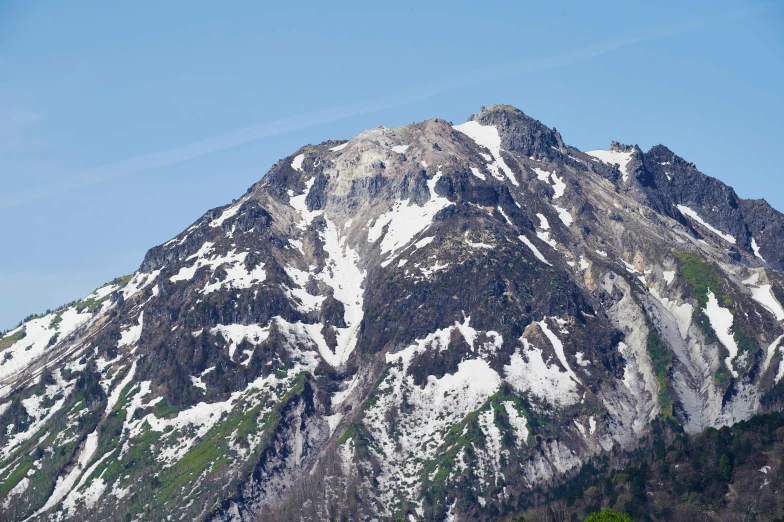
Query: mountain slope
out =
(423, 322)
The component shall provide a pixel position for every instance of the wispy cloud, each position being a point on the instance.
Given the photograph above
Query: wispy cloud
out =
(145, 162)
(24, 117)
(27, 145)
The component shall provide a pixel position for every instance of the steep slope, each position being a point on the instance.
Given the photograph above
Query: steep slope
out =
(424, 322)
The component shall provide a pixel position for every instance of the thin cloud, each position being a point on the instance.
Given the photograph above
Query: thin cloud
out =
(200, 148)
(145, 162)
(24, 118)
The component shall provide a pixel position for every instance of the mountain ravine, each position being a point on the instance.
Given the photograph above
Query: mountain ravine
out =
(421, 323)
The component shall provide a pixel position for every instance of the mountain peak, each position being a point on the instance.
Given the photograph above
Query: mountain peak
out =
(519, 132)
(396, 326)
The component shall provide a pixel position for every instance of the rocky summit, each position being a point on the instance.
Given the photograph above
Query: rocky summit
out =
(434, 322)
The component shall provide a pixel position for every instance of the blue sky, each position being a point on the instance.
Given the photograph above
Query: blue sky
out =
(122, 122)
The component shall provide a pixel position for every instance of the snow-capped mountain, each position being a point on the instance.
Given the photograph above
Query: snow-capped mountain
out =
(426, 323)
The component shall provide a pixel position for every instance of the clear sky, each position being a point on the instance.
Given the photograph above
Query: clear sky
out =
(122, 122)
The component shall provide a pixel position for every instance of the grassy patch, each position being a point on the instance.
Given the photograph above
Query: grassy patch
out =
(210, 453)
(350, 433)
(122, 280)
(55, 324)
(661, 357)
(16, 476)
(745, 345)
(90, 304)
(463, 435)
(722, 377)
(9, 340)
(163, 410)
(701, 276)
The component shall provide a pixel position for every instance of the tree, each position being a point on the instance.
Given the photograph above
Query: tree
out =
(725, 468)
(608, 515)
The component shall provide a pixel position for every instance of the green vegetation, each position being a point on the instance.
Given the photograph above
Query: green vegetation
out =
(608, 515)
(121, 281)
(163, 410)
(350, 433)
(662, 362)
(55, 324)
(722, 377)
(9, 340)
(39, 458)
(212, 450)
(715, 475)
(202, 469)
(701, 276)
(745, 345)
(90, 304)
(463, 436)
(452, 468)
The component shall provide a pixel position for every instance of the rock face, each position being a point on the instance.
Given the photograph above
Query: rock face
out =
(425, 322)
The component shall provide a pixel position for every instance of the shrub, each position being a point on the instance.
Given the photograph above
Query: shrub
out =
(608, 515)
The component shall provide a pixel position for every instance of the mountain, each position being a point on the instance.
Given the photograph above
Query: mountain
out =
(423, 323)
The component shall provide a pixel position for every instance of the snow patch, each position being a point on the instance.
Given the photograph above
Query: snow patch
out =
(612, 157)
(65, 483)
(226, 214)
(501, 210)
(404, 221)
(581, 360)
(517, 422)
(343, 274)
(564, 215)
(139, 282)
(114, 397)
(235, 334)
(755, 247)
(770, 353)
(478, 245)
(528, 372)
(38, 333)
(296, 164)
(686, 211)
(558, 347)
(544, 233)
(237, 275)
(558, 186)
(423, 242)
(17, 490)
(763, 294)
(682, 313)
(131, 336)
(487, 136)
(299, 204)
(721, 321)
(533, 249)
